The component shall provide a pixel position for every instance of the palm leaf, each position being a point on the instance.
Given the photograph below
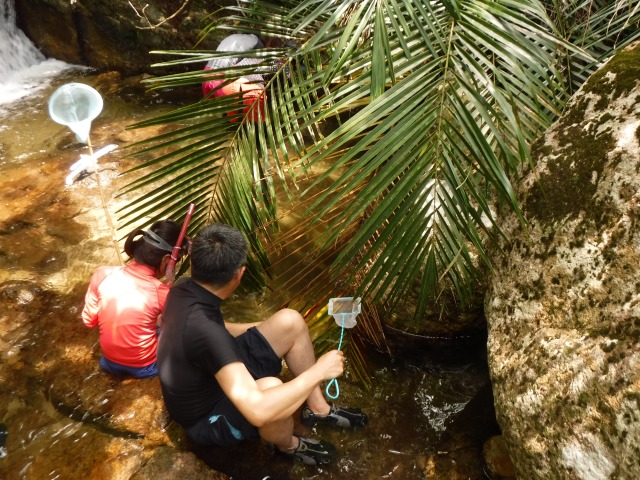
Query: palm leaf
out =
(394, 129)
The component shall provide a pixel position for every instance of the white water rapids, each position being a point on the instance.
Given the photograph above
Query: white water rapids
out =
(23, 68)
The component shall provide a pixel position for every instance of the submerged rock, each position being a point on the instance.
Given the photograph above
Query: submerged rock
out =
(167, 464)
(4, 433)
(460, 454)
(112, 427)
(497, 459)
(563, 308)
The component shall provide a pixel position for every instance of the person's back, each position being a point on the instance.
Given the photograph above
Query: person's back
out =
(130, 301)
(193, 328)
(126, 302)
(250, 87)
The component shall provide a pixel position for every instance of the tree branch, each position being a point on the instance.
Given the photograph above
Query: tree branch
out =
(152, 27)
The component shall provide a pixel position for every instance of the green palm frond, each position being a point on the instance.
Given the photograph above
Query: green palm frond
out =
(393, 128)
(600, 27)
(428, 146)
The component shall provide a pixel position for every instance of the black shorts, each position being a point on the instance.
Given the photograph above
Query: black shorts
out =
(224, 425)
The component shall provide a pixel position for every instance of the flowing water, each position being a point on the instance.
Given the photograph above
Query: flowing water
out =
(23, 69)
(428, 419)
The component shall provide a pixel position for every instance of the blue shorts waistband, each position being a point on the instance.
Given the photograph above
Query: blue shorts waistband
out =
(124, 370)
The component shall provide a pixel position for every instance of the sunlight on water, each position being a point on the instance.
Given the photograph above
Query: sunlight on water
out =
(437, 411)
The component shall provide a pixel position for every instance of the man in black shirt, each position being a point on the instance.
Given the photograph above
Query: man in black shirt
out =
(219, 379)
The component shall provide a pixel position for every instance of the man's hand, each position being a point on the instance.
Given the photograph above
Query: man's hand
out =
(331, 364)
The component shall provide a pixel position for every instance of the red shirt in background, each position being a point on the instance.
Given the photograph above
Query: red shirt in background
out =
(125, 302)
(251, 93)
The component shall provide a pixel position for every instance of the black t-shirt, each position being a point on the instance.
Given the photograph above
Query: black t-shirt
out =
(193, 345)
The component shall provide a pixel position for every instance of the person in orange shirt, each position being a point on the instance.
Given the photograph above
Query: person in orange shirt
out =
(251, 87)
(126, 302)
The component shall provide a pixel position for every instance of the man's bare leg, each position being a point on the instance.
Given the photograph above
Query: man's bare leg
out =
(288, 334)
(279, 433)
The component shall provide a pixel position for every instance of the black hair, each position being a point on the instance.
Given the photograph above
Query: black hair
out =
(217, 252)
(148, 253)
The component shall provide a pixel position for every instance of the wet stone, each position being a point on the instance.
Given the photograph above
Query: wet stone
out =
(128, 408)
(52, 263)
(16, 294)
(64, 355)
(77, 386)
(168, 464)
(18, 301)
(460, 451)
(4, 433)
(28, 237)
(497, 459)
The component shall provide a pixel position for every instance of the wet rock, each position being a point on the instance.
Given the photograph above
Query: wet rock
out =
(110, 83)
(88, 33)
(456, 465)
(169, 464)
(25, 238)
(52, 263)
(18, 301)
(4, 433)
(564, 302)
(55, 366)
(497, 460)
(19, 294)
(128, 408)
(131, 408)
(63, 354)
(72, 449)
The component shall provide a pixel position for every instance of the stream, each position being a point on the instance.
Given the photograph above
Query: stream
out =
(66, 419)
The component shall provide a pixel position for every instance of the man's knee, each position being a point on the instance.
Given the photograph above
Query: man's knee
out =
(291, 320)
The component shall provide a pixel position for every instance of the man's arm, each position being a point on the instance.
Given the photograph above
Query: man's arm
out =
(260, 407)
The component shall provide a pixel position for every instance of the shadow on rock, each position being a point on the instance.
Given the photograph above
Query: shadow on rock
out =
(240, 462)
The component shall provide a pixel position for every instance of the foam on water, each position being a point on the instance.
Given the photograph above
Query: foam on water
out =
(23, 68)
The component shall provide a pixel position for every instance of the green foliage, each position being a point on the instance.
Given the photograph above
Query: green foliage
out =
(395, 128)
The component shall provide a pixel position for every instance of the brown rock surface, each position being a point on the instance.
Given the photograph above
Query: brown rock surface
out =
(89, 32)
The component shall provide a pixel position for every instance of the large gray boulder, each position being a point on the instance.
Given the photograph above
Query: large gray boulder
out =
(563, 307)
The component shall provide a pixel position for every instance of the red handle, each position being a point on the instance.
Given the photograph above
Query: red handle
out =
(169, 273)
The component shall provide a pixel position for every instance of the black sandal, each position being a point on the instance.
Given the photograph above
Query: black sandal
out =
(340, 417)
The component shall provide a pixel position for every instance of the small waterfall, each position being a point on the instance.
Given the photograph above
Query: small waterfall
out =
(23, 68)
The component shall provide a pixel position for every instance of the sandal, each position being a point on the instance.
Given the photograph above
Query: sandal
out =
(340, 417)
(312, 452)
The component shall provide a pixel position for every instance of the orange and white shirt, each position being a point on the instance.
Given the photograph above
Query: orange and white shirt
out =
(125, 302)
